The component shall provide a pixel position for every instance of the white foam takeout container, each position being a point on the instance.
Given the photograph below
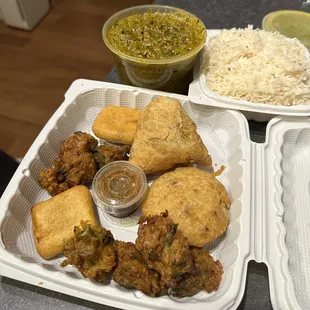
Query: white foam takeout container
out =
(269, 217)
(200, 93)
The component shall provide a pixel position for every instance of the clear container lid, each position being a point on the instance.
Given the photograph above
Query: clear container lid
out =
(119, 185)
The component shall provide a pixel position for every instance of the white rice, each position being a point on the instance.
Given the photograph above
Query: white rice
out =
(258, 66)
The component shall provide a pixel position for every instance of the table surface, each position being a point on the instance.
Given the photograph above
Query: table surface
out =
(216, 14)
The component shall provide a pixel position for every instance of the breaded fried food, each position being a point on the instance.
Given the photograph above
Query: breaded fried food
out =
(53, 220)
(133, 272)
(105, 154)
(91, 250)
(164, 248)
(206, 276)
(74, 165)
(117, 124)
(166, 136)
(195, 200)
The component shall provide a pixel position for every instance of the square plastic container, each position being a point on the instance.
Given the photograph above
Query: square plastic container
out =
(256, 176)
(200, 93)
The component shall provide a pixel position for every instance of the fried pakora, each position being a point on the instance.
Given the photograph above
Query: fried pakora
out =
(75, 164)
(133, 272)
(105, 154)
(91, 251)
(164, 248)
(207, 275)
(160, 263)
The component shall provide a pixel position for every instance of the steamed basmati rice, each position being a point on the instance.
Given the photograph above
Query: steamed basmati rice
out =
(258, 66)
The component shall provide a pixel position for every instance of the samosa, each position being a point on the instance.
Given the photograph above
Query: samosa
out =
(166, 136)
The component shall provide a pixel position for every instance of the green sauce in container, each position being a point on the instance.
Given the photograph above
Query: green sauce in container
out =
(155, 46)
(156, 35)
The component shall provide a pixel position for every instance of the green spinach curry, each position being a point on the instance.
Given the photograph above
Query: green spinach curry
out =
(157, 35)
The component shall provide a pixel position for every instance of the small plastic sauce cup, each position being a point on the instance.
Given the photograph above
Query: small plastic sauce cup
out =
(171, 75)
(119, 187)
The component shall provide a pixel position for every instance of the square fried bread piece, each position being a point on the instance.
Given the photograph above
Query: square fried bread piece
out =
(117, 124)
(53, 220)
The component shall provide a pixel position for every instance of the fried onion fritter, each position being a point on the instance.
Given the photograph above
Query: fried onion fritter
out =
(133, 272)
(75, 164)
(105, 154)
(206, 276)
(91, 251)
(160, 263)
(164, 248)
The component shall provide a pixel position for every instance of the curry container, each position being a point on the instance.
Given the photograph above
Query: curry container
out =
(171, 75)
(269, 216)
(200, 93)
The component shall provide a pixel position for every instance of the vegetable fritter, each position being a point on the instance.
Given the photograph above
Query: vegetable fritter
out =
(133, 272)
(91, 251)
(75, 164)
(164, 248)
(105, 154)
(206, 276)
(160, 263)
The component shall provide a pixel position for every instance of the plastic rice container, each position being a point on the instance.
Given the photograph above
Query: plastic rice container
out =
(200, 93)
(267, 183)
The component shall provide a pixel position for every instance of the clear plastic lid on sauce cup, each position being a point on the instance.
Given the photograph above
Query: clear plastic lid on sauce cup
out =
(119, 187)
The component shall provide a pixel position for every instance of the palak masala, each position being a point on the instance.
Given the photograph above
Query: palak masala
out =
(195, 200)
